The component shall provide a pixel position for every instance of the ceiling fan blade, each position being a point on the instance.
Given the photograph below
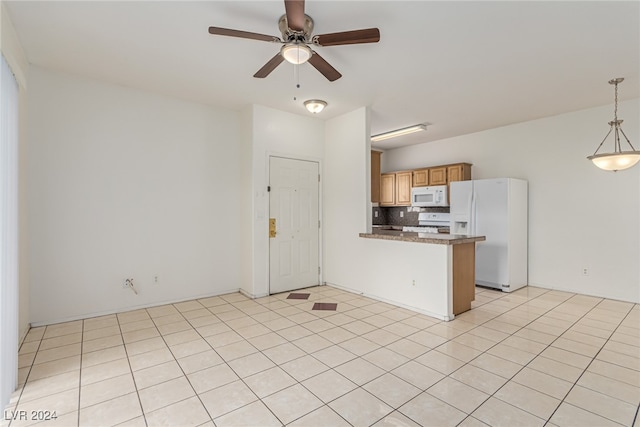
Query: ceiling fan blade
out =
(369, 35)
(269, 66)
(324, 67)
(242, 34)
(295, 14)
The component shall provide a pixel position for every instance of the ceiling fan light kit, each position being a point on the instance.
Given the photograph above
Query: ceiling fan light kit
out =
(399, 132)
(296, 29)
(618, 159)
(315, 105)
(296, 53)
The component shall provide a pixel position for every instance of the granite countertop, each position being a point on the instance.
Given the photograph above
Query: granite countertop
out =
(434, 238)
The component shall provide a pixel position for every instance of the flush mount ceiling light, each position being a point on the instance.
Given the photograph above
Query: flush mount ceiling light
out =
(618, 159)
(398, 132)
(315, 105)
(296, 52)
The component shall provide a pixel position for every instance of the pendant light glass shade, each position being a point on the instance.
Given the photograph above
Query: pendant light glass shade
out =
(618, 159)
(296, 53)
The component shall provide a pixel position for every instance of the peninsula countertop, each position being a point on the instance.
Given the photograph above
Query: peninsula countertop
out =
(433, 238)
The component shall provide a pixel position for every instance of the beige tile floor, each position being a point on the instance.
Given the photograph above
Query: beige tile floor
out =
(533, 357)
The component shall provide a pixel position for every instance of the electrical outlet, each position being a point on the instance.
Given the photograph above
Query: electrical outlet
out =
(413, 283)
(375, 214)
(155, 279)
(401, 214)
(585, 271)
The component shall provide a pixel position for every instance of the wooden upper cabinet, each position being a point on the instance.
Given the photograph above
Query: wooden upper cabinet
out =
(395, 187)
(438, 176)
(421, 178)
(375, 176)
(459, 172)
(387, 189)
(403, 188)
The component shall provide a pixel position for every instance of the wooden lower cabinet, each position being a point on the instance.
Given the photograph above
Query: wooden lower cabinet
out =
(387, 189)
(464, 277)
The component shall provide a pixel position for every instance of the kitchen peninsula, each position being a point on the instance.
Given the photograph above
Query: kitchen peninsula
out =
(429, 272)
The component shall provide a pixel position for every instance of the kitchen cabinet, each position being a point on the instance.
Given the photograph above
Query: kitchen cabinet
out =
(375, 176)
(403, 188)
(421, 177)
(395, 188)
(387, 189)
(459, 172)
(438, 175)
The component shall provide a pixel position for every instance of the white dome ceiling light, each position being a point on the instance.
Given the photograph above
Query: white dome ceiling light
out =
(315, 106)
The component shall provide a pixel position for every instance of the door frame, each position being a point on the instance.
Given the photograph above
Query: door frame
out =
(269, 155)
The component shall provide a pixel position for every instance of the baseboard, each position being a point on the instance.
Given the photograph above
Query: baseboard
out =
(252, 296)
(396, 303)
(137, 307)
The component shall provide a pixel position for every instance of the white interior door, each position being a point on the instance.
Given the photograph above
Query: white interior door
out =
(293, 204)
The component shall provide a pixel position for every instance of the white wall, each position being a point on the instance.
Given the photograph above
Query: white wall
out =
(386, 270)
(579, 216)
(15, 56)
(124, 183)
(283, 134)
(346, 201)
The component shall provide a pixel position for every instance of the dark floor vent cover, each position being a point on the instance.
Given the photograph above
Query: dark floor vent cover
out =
(294, 295)
(325, 306)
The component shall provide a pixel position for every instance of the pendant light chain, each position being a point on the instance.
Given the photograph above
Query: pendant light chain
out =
(616, 123)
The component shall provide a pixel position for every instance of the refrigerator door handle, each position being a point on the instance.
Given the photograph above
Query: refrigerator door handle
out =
(472, 215)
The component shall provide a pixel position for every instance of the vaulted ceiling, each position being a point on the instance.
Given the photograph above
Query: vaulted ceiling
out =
(460, 67)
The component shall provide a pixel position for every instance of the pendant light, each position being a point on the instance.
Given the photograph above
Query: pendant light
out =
(618, 159)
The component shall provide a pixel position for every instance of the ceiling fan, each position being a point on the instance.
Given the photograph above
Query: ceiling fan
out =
(296, 29)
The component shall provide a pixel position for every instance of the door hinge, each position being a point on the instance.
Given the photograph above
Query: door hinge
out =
(318, 223)
(318, 177)
(268, 188)
(318, 270)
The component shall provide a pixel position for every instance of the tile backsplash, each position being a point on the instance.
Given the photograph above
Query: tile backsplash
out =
(391, 215)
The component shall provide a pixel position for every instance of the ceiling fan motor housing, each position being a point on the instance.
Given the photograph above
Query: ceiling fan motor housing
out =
(289, 35)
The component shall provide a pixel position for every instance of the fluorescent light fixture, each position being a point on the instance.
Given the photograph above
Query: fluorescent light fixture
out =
(617, 160)
(296, 53)
(398, 132)
(315, 105)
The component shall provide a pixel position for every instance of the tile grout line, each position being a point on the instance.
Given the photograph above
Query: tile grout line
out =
(587, 367)
(394, 321)
(135, 384)
(485, 351)
(80, 374)
(223, 360)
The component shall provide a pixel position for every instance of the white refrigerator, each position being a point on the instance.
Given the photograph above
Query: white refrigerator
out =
(495, 208)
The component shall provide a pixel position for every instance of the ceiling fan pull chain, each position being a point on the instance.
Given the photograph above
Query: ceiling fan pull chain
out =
(296, 77)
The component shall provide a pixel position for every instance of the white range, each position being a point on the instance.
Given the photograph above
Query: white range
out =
(430, 222)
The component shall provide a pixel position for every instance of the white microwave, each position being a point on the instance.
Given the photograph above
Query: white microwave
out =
(435, 195)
